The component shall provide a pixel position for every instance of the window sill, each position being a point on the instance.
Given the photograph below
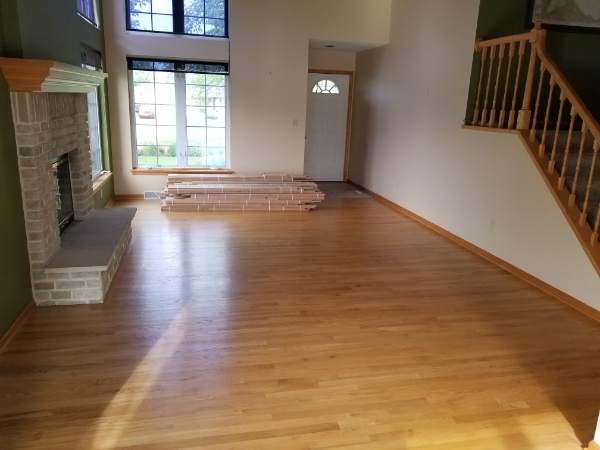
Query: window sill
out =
(168, 170)
(101, 181)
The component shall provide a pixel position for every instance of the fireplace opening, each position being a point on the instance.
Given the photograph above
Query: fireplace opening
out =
(64, 194)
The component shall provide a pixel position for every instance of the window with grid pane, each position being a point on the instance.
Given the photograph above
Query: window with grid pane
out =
(86, 9)
(194, 17)
(179, 113)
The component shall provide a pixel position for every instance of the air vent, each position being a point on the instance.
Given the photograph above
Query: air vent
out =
(151, 195)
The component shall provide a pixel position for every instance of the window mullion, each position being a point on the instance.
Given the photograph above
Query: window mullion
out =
(181, 120)
(178, 23)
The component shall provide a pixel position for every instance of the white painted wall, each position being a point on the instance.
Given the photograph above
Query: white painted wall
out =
(597, 435)
(269, 42)
(331, 60)
(408, 146)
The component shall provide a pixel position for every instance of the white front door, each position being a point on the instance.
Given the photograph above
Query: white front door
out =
(326, 123)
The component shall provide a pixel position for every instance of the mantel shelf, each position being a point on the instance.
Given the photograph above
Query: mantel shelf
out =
(39, 75)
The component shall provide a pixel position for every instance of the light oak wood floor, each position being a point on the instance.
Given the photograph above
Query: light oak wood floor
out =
(349, 327)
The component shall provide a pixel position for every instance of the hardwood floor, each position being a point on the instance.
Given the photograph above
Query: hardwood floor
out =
(349, 327)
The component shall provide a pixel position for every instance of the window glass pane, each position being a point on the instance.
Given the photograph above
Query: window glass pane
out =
(196, 95)
(215, 9)
(144, 93)
(195, 78)
(194, 25)
(162, 23)
(214, 27)
(164, 77)
(86, 9)
(140, 5)
(196, 136)
(145, 135)
(193, 8)
(162, 6)
(196, 116)
(215, 80)
(147, 155)
(165, 115)
(215, 157)
(94, 126)
(196, 156)
(216, 117)
(165, 94)
(215, 137)
(167, 155)
(141, 21)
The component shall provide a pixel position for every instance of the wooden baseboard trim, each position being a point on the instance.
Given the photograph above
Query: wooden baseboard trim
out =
(120, 198)
(110, 203)
(14, 328)
(593, 446)
(542, 285)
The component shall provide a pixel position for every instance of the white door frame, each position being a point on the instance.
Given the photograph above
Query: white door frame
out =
(349, 118)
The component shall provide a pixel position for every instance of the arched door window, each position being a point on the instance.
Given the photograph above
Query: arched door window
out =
(325, 87)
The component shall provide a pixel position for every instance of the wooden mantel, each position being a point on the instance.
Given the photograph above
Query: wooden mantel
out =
(40, 75)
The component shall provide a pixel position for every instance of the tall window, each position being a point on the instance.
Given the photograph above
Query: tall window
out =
(196, 17)
(92, 60)
(86, 9)
(179, 113)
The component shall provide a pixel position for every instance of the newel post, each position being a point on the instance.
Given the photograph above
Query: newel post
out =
(524, 117)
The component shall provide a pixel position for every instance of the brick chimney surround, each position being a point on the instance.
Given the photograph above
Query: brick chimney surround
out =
(49, 107)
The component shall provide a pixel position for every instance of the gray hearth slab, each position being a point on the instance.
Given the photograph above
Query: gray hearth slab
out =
(90, 243)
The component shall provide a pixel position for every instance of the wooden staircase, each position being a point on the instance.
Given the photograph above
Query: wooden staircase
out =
(521, 90)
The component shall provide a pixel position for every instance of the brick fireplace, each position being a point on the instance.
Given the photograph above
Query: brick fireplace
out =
(49, 105)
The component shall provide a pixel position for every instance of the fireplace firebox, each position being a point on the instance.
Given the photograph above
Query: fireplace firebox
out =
(64, 194)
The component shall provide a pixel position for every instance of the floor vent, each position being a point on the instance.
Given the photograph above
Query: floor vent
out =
(151, 195)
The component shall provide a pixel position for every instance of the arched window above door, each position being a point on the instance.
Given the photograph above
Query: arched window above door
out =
(325, 87)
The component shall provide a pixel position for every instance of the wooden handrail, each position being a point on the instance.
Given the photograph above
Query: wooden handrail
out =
(480, 43)
(569, 165)
(566, 87)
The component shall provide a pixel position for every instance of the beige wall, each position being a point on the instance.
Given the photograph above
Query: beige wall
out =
(269, 55)
(408, 146)
(364, 23)
(331, 60)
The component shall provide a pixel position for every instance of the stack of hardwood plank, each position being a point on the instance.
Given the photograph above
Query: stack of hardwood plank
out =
(233, 192)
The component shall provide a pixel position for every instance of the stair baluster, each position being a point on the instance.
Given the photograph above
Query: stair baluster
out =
(552, 162)
(547, 118)
(498, 72)
(487, 88)
(537, 102)
(584, 210)
(594, 239)
(561, 180)
(572, 197)
(511, 56)
(477, 102)
(511, 116)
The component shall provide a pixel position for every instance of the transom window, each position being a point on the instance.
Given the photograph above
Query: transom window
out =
(195, 17)
(325, 87)
(179, 113)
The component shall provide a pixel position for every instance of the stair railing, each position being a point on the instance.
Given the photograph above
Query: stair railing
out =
(518, 82)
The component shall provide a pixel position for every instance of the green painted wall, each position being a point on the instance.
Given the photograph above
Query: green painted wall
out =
(104, 194)
(577, 54)
(45, 30)
(15, 285)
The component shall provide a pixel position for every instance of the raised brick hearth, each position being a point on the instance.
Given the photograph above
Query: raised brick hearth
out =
(48, 125)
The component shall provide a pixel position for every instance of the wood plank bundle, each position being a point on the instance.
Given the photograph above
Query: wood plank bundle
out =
(233, 192)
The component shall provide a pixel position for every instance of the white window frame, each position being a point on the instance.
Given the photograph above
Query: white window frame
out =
(181, 124)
